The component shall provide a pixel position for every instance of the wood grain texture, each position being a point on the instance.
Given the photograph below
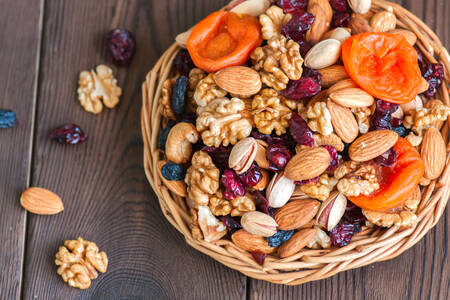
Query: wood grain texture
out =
(102, 183)
(19, 59)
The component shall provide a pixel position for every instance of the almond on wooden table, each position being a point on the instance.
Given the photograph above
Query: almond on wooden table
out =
(251, 242)
(296, 213)
(352, 97)
(344, 122)
(433, 152)
(41, 201)
(372, 144)
(343, 84)
(332, 75)
(238, 80)
(307, 163)
(323, 13)
(297, 242)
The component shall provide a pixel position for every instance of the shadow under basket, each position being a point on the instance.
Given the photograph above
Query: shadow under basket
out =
(369, 246)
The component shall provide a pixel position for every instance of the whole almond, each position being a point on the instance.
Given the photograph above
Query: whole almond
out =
(297, 242)
(332, 74)
(41, 201)
(238, 80)
(338, 33)
(352, 97)
(323, 13)
(307, 163)
(344, 122)
(433, 153)
(323, 54)
(331, 210)
(409, 36)
(242, 155)
(383, 21)
(296, 213)
(259, 223)
(359, 25)
(250, 242)
(372, 144)
(343, 84)
(178, 187)
(360, 6)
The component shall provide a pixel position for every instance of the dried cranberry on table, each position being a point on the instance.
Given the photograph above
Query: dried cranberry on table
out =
(334, 158)
(297, 26)
(278, 156)
(252, 176)
(339, 5)
(179, 95)
(307, 181)
(259, 257)
(341, 19)
(219, 155)
(262, 204)
(301, 89)
(291, 6)
(68, 134)
(173, 171)
(183, 62)
(232, 224)
(350, 224)
(233, 186)
(7, 118)
(434, 75)
(300, 131)
(279, 238)
(120, 46)
(387, 159)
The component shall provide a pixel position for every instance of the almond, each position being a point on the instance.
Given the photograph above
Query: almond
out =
(360, 6)
(372, 144)
(323, 54)
(410, 36)
(331, 210)
(260, 157)
(343, 84)
(178, 187)
(41, 201)
(433, 153)
(259, 223)
(250, 242)
(359, 25)
(280, 190)
(352, 97)
(332, 75)
(307, 163)
(344, 122)
(297, 242)
(243, 155)
(383, 21)
(238, 80)
(339, 33)
(323, 13)
(296, 213)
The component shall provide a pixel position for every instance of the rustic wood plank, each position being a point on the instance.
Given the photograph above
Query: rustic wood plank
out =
(102, 183)
(19, 59)
(422, 272)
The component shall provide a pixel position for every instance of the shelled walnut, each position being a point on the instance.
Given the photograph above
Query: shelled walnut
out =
(165, 99)
(320, 240)
(270, 112)
(319, 118)
(243, 204)
(79, 261)
(355, 178)
(320, 190)
(423, 118)
(195, 76)
(202, 178)
(218, 205)
(207, 90)
(362, 115)
(404, 217)
(272, 20)
(194, 226)
(97, 86)
(277, 62)
(221, 122)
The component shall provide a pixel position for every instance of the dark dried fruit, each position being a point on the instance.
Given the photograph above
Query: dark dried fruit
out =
(401, 131)
(233, 186)
(300, 131)
(259, 257)
(173, 171)
(278, 156)
(342, 233)
(271, 139)
(291, 6)
(262, 204)
(232, 224)
(279, 238)
(386, 107)
(341, 19)
(307, 181)
(252, 176)
(120, 46)
(301, 89)
(422, 63)
(434, 75)
(183, 62)
(179, 95)
(162, 138)
(380, 120)
(297, 26)
(304, 47)
(339, 5)
(334, 158)
(68, 134)
(397, 122)
(387, 159)
(7, 118)
(219, 155)
(307, 72)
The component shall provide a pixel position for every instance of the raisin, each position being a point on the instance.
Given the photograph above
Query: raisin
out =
(259, 257)
(252, 176)
(179, 95)
(434, 75)
(278, 156)
(120, 46)
(68, 134)
(334, 158)
(307, 72)
(301, 89)
(183, 62)
(173, 171)
(233, 186)
(7, 118)
(297, 26)
(401, 131)
(232, 224)
(387, 159)
(291, 6)
(162, 138)
(279, 238)
(300, 131)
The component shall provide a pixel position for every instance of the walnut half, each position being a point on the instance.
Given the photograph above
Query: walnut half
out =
(79, 261)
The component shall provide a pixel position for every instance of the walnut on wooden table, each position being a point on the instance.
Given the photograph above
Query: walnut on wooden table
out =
(319, 118)
(206, 90)
(362, 115)
(272, 21)
(243, 204)
(79, 261)
(320, 190)
(165, 99)
(356, 179)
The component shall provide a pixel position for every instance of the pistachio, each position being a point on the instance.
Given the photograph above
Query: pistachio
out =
(242, 155)
(331, 211)
(259, 223)
(280, 190)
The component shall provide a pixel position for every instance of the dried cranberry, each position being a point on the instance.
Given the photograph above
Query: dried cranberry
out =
(334, 158)
(386, 107)
(307, 181)
(262, 204)
(278, 156)
(173, 171)
(7, 118)
(344, 152)
(291, 6)
(233, 186)
(420, 60)
(341, 19)
(300, 131)
(397, 122)
(232, 224)
(339, 5)
(304, 47)
(380, 120)
(307, 72)
(272, 139)
(219, 155)
(252, 176)
(342, 233)
(68, 134)
(279, 238)
(179, 95)
(387, 159)
(434, 75)
(183, 62)
(120, 46)
(297, 26)
(259, 257)
(301, 89)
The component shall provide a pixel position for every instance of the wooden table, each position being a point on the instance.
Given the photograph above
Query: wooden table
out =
(45, 44)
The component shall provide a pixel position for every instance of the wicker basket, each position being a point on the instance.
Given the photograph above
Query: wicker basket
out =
(369, 246)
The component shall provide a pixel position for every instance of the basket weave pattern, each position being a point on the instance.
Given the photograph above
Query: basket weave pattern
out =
(369, 246)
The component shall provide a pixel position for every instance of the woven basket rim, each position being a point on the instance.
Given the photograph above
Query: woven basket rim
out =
(369, 246)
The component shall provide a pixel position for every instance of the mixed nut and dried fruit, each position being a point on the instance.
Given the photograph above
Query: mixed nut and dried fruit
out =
(297, 123)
